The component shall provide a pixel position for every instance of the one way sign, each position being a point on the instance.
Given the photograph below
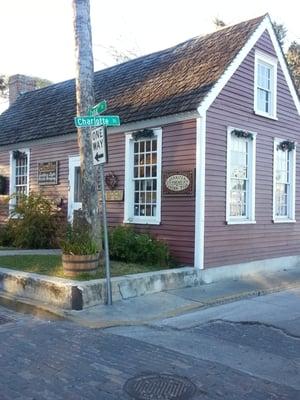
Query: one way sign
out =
(99, 145)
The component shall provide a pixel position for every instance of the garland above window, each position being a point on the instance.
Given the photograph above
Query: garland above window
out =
(242, 134)
(19, 155)
(286, 145)
(143, 134)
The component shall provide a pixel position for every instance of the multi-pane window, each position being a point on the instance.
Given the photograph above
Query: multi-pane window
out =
(284, 181)
(239, 182)
(19, 177)
(145, 177)
(265, 85)
(240, 176)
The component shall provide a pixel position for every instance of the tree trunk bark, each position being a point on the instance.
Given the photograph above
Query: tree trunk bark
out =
(85, 99)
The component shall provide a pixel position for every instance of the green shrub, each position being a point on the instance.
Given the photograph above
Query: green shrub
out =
(130, 246)
(34, 223)
(78, 242)
(6, 236)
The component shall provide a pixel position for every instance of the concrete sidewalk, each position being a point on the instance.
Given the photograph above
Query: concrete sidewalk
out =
(141, 310)
(22, 252)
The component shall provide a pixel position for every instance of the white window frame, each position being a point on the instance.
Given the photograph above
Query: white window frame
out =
(290, 218)
(129, 216)
(12, 175)
(250, 217)
(271, 62)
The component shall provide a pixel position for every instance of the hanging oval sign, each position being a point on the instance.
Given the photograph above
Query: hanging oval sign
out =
(177, 183)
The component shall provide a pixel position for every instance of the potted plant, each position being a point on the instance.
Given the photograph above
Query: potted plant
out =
(80, 252)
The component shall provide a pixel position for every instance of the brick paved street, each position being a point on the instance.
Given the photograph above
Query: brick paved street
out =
(47, 360)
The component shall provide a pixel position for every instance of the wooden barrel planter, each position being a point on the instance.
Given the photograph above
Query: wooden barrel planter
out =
(74, 265)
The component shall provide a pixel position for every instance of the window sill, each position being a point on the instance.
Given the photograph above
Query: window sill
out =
(262, 114)
(141, 222)
(240, 222)
(284, 221)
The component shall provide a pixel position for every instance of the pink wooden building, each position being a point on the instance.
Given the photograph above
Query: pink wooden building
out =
(206, 155)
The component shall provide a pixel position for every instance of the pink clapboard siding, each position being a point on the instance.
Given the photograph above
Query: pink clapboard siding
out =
(231, 244)
(177, 212)
(177, 226)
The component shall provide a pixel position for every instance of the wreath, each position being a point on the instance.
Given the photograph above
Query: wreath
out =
(19, 155)
(242, 134)
(143, 134)
(286, 145)
(111, 180)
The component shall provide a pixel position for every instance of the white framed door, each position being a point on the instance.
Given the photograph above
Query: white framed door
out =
(74, 194)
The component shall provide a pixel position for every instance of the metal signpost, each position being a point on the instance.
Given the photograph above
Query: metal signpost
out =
(100, 157)
(99, 146)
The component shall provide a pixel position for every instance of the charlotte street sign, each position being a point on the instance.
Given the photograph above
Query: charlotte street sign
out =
(99, 145)
(107, 120)
(98, 108)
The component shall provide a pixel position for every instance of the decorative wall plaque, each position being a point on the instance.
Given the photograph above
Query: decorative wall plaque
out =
(113, 195)
(48, 173)
(178, 183)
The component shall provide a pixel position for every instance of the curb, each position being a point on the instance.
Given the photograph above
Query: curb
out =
(48, 312)
(180, 310)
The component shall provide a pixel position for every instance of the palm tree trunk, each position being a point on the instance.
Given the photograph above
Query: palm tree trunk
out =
(85, 99)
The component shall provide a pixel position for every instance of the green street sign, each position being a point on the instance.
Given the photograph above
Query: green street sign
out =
(98, 108)
(107, 120)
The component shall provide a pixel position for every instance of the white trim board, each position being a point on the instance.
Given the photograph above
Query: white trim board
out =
(265, 25)
(200, 192)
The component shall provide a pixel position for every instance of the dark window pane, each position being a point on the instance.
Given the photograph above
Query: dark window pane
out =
(136, 197)
(142, 210)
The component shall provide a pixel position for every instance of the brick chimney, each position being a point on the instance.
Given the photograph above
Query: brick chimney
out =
(18, 84)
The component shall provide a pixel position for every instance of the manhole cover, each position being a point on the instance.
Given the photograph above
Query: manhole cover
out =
(4, 320)
(160, 387)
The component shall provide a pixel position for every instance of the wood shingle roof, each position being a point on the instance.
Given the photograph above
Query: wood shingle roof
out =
(167, 82)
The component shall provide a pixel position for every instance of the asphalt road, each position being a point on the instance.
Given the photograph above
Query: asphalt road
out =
(249, 349)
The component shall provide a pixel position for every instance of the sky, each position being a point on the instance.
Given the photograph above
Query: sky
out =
(36, 36)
